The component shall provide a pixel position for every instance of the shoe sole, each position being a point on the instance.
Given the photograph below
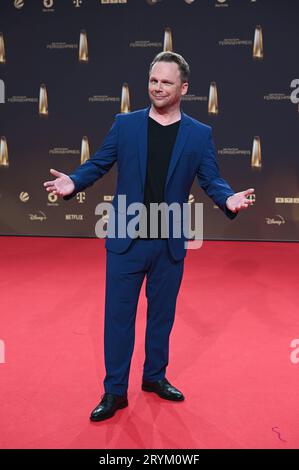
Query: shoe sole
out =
(124, 405)
(145, 389)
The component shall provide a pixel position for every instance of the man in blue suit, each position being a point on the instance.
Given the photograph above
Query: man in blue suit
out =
(159, 151)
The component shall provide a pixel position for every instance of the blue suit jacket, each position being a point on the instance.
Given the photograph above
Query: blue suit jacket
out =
(126, 143)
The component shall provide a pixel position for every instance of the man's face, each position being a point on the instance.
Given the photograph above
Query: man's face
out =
(165, 87)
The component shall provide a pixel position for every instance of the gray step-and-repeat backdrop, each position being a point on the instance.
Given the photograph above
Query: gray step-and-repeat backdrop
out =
(68, 66)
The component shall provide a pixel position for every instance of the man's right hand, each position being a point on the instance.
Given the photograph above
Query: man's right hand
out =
(63, 185)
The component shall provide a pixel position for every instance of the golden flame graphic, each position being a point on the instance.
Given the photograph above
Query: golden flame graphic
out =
(258, 50)
(3, 152)
(125, 99)
(256, 156)
(167, 40)
(213, 99)
(84, 150)
(43, 101)
(83, 47)
(2, 50)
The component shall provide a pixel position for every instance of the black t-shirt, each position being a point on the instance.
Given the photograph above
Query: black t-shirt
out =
(161, 140)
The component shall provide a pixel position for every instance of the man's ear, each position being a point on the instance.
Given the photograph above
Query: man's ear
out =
(185, 86)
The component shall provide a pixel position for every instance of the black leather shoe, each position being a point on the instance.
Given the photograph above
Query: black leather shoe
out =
(164, 389)
(108, 406)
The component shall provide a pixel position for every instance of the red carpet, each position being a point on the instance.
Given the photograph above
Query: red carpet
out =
(237, 314)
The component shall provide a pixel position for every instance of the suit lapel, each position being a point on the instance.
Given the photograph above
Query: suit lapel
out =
(180, 141)
(142, 145)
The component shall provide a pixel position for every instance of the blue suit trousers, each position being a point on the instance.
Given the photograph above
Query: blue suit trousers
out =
(125, 273)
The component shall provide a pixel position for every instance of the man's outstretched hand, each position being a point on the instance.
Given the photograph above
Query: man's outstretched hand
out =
(63, 185)
(239, 200)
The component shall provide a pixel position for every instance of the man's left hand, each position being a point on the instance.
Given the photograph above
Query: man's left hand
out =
(240, 200)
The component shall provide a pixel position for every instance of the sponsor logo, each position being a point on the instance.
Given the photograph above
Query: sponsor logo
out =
(73, 216)
(48, 3)
(24, 196)
(81, 197)
(279, 220)
(18, 4)
(52, 199)
(287, 200)
(39, 216)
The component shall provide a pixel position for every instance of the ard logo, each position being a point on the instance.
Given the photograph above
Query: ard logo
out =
(48, 3)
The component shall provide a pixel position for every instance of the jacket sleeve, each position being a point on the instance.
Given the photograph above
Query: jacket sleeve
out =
(210, 180)
(100, 163)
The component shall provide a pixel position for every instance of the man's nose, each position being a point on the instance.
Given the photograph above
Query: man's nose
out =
(158, 86)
